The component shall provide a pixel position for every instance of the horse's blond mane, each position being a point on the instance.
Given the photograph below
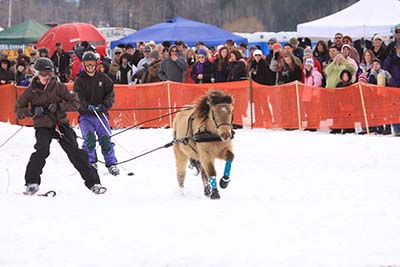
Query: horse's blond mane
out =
(214, 97)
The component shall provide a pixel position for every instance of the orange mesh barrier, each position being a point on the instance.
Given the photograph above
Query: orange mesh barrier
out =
(8, 96)
(139, 103)
(291, 105)
(185, 94)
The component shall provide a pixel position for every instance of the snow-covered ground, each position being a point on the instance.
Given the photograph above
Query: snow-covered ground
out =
(295, 199)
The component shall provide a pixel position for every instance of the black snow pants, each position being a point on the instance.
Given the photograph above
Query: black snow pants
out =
(67, 139)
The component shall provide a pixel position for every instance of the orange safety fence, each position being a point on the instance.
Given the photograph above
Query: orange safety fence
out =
(291, 105)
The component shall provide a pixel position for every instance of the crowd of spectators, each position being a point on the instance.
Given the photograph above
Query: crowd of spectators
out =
(333, 64)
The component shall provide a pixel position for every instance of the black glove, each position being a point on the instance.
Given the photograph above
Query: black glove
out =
(54, 107)
(20, 115)
(101, 108)
(37, 111)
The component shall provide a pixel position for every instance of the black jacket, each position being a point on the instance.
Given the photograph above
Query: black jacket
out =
(221, 71)
(61, 63)
(259, 71)
(237, 71)
(208, 72)
(95, 90)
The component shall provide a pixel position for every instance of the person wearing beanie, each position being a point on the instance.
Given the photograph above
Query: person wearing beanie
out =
(308, 54)
(379, 48)
(297, 50)
(203, 70)
(274, 63)
(309, 62)
(312, 79)
(20, 73)
(149, 72)
(258, 68)
(146, 59)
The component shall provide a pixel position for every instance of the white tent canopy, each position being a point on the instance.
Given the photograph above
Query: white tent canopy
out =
(363, 19)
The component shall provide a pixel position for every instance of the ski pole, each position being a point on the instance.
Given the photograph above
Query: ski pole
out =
(14, 134)
(102, 123)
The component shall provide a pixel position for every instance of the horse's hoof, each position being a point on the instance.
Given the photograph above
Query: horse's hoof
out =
(207, 191)
(223, 183)
(215, 194)
(195, 165)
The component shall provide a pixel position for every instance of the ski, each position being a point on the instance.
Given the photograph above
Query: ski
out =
(50, 193)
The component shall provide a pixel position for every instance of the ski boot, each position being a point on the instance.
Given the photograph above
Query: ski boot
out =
(98, 189)
(113, 170)
(32, 189)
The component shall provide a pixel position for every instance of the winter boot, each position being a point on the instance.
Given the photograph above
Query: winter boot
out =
(32, 189)
(113, 170)
(98, 189)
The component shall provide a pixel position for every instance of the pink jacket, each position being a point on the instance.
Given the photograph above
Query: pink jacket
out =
(315, 79)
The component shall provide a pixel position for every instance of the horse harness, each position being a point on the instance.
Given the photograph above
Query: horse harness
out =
(202, 135)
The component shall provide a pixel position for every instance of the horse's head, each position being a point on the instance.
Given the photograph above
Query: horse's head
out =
(221, 113)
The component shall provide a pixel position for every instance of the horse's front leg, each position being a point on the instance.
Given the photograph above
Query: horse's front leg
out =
(209, 180)
(223, 183)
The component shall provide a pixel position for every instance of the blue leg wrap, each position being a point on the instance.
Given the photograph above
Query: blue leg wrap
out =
(213, 182)
(228, 165)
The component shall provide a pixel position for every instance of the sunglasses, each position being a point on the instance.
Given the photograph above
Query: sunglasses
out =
(117, 53)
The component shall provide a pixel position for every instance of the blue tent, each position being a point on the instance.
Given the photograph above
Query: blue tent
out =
(188, 31)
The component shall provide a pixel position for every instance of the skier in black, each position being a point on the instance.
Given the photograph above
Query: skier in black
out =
(47, 101)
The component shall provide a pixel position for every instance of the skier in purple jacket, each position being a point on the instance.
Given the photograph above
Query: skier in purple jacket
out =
(96, 94)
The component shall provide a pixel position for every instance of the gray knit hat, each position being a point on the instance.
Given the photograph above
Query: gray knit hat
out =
(154, 54)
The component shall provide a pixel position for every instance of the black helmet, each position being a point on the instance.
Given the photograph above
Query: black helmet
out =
(88, 56)
(43, 63)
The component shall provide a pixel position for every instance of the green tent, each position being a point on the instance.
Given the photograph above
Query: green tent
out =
(28, 32)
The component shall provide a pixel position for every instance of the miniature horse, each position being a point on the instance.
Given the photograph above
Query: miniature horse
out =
(203, 133)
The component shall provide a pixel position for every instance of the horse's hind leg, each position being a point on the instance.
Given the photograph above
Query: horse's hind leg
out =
(181, 163)
(223, 183)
